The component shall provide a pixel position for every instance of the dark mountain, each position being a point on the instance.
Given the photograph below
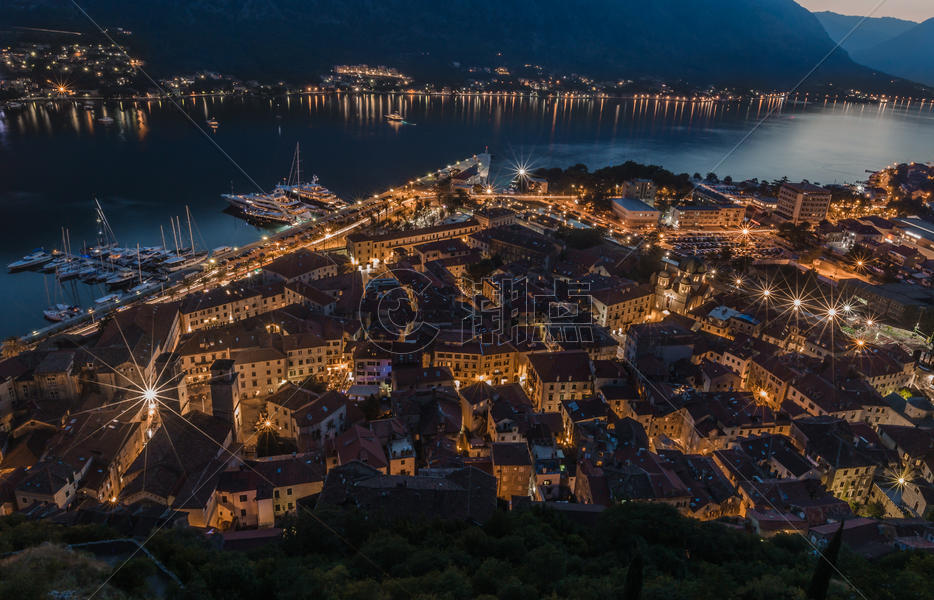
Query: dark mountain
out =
(756, 43)
(910, 55)
(868, 33)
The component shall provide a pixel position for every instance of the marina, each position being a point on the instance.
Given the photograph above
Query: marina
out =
(124, 272)
(150, 163)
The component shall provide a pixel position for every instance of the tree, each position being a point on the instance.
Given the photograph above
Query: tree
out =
(798, 235)
(371, 407)
(12, 346)
(482, 268)
(581, 239)
(632, 589)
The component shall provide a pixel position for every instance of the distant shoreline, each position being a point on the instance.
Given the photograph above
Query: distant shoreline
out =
(796, 98)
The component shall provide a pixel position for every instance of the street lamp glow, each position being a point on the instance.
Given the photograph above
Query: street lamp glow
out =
(150, 394)
(832, 312)
(797, 303)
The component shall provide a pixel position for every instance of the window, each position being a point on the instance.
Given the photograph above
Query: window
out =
(242, 513)
(242, 497)
(289, 491)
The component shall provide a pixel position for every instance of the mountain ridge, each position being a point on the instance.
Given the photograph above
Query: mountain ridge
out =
(909, 55)
(768, 44)
(869, 32)
(902, 48)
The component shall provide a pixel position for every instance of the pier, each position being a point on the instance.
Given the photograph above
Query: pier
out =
(313, 234)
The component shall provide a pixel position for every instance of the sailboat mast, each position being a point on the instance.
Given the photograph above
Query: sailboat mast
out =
(162, 233)
(106, 229)
(139, 268)
(174, 237)
(298, 165)
(191, 235)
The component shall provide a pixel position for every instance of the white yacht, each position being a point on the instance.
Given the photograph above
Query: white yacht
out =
(142, 287)
(275, 207)
(120, 278)
(311, 193)
(36, 259)
(108, 300)
(289, 203)
(187, 261)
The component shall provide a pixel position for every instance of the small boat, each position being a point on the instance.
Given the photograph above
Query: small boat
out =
(36, 259)
(55, 265)
(95, 276)
(70, 271)
(213, 123)
(61, 312)
(142, 287)
(107, 300)
(87, 272)
(177, 263)
(120, 278)
(106, 120)
(394, 117)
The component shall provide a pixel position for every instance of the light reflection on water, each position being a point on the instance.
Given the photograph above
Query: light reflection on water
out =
(151, 162)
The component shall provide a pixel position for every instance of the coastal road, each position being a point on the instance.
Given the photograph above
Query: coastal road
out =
(314, 234)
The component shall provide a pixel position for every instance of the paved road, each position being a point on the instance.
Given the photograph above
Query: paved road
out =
(316, 234)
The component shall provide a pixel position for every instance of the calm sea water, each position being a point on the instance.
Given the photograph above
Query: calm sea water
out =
(152, 162)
